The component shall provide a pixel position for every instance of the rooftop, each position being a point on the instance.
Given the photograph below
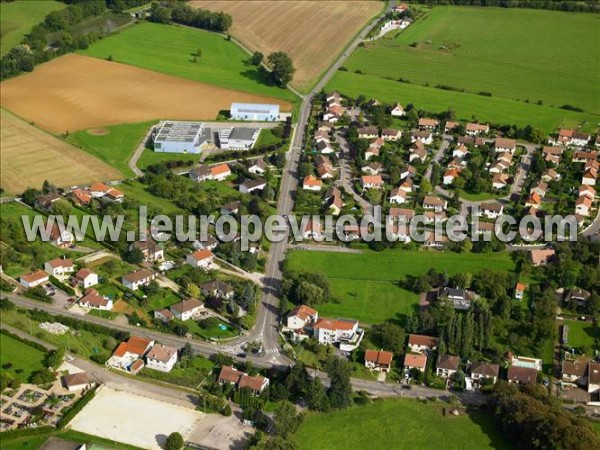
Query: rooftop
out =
(172, 131)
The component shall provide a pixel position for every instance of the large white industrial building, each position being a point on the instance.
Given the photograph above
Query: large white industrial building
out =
(238, 138)
(181, 137)
(254, 111)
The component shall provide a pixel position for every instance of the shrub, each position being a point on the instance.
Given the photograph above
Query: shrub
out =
(75, 409)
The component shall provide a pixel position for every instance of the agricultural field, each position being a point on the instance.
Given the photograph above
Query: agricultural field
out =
(17, 18)
(269, 26)
(403, 424)
(373, 295)
(556, 64)
(75, 92)
(29, 156)
(170, 50)
(23, 358)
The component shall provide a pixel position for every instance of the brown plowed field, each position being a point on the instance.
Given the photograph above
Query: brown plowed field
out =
(76, 92)
(313, 33)
(29, 156)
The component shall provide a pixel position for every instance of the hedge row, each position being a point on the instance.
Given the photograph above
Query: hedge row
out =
(62, 286)
(16, 337)
(25, 432)
(75, 409)
(42, 316)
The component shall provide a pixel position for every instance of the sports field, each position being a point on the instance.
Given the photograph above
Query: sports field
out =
(17, 18)
(516, 55)
(312, 33)
(76, 92)
(399, 424)
(24, 359)
(29, 156)
(365, 285)
(170, 49)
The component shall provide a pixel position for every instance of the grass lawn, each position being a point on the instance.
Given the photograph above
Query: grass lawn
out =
(17, 19)
(466, 105)
(34, 442)
(511, 54)
(365, 285)
(168, 49)
(189, 373)
(150, 157)
(24, 359)
(402, 424)
(159, 205)
(115, 145)
(581, 334)
(479, 197)
(212, 332)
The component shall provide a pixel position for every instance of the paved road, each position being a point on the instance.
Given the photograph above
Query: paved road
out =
(447, 139)
(523, 169)
(132, 163)
(325, 248)
(346, 179)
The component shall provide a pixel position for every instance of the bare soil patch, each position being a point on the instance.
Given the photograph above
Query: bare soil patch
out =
(99, 131)
(313, 33)
(29, 156)
(76, 92)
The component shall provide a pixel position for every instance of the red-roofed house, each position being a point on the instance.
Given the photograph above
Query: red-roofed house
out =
(418, 362)
(257, 384)
(371, 182)
(59, 267)
(220, 172)
(200, 258)
(128, 352)
(418, 343)
(93, 300)
(520, 290)
(344, 332)
(380, 361)
(301, 316)
(34, 279)
(85, 278)
(541, 257)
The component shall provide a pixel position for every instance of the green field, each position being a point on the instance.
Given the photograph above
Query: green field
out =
(516, 55)
(365, 286)
(24, 359)
(158, 205)
(398, 424)
(168, 49)
(581, 334)
(33, 440)
(17, 18)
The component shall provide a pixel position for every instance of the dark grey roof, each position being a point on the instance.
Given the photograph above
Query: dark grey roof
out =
(243, 134)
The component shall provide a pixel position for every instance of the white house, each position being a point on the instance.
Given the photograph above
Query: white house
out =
(583, 206)
(86, 278)
(186, 309)
(59, 267)
(428, 124)
(435, 203)
(447, 365)
(301, 316)
(135, 280)
(311, 183)
(589, 177)
(397, 110)
(258, 167)
(220, 172)
(344, 332)
(491, 210)
(418, 362)
(593, 377)
(379, 361)
(93, 300)
(418, 343)
(368, 132)
(450, 175)
(249, 186)
(200, 258)
(151, 250)
(371, 182)
(254, 112)
(75, 382)
(161, 358)
(34, 279)
(505, 145)
(128, 353)
(397, 196)
(475, 129)
(482, 370)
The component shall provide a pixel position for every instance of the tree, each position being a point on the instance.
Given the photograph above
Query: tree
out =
(257, 58)
(55, 358)
(286, 419)
(340, 389)
(282, 67)
(174, 441)
(199, 53)
(192, 290)
(316, 396)
(390, 336)
(133, 256)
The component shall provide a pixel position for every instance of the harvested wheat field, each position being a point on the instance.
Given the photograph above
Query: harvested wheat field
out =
(76, 92)
(313, 33)
(29, 156)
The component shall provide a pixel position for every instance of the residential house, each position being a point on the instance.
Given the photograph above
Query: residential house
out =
(397, 196)
(540, 188)
(580, 139)
(484, 371)
(401, 215)
(371, 182)
(397, 110)
(150, 249)
(583, 206)
(505, 145)
(186, 309)
(321, 136)
(550, 175)
(520, 290)
(418, 362)
(46, 202)
(491, 210)
(34, 279)
(564, 137)
(432, 217)
(249, 186)
(135, 280)
(302, 317)
(574, 371)
(218, 288)
(552, 154)
(589, 177)
(500, 180)
(230, 375)
(257, 166)
(426, 137)
(93, 300)
(59, 267)
(379, 361)
(460, 298)
(390, 134)
(475, 141)
(311, 183)
(593, 378)
(533, 201)
(313, 229)
(521, 375)
(436, 203)
(200, 258)
(372, 168)
(200, 173)
(86, 278)
(162, 358)
(127, 353)
(418, 343)
(447, 365)
(163, 314)
(100, 190)
(432, 240)
(325, 147)
(585, 157)
(428, 124)
(58, 238)
(418, 152)
(578, 296)
(220, 172)
(231, 208)
(451, 126)
(475, 129)
(588, 191)
(460, 151)
(374, 148)
(335, 204)
(408, 172)
(344, 332)
(81, 197)
(541, 257)
(75, 382)
(407, 185)
(450, 175)
(368, 132)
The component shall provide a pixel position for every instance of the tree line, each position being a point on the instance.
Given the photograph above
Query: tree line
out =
(191, 17)
(560, 5)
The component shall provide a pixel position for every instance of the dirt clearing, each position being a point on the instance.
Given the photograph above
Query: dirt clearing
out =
(313, 33)
(76, 92)
(29, 156)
